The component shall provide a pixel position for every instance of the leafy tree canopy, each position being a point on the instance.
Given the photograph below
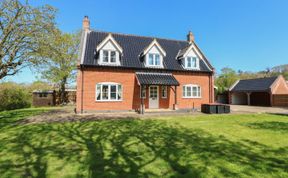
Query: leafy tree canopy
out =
(22, 28)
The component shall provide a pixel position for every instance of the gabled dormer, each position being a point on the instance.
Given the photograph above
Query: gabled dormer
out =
(190, 57)
(153, 55)
(109, 51)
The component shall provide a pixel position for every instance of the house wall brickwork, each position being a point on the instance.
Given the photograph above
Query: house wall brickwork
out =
(88, 78)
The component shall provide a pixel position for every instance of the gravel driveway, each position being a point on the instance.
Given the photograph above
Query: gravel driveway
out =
(258, 109)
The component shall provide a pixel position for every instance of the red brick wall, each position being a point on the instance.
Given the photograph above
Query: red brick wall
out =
(131, 90)
(280, 86)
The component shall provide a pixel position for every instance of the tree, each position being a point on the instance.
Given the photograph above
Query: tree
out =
(226, 79)
(22, 27)
(39, 85)
(59, 56)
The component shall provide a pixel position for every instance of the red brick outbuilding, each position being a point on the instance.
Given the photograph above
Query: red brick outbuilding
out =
(270, 91)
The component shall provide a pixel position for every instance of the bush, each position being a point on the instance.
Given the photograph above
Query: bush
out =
(13, 96)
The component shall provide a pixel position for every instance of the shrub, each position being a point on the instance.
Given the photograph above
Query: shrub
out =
(13, 96)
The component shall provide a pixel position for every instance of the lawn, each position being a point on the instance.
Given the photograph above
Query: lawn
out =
(182, 146)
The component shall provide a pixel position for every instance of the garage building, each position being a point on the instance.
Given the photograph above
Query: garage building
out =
(272, 91)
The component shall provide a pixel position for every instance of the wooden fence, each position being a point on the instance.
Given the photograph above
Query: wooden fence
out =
(280, 100)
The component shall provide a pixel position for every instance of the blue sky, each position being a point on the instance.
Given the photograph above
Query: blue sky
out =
(249, 35)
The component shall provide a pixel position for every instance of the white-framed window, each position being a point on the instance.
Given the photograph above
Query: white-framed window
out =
(143, 92)
(191, 91)
(154, 60)
(108, 92)
(109, 56)
(164, 91)
(191, 62)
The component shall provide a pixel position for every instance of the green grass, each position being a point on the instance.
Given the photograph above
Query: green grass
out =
(182, 146)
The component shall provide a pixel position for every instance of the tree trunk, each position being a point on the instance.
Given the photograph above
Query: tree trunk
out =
(63, 90)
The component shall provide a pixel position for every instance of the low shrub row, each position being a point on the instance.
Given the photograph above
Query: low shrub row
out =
(14, 96)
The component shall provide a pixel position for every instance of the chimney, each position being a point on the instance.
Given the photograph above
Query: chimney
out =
(190, 37)
(86, 23)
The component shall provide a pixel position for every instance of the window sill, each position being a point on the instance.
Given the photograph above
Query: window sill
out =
(158, 67)
(191, 68)
(101, 101)
(191, 97)
(109, 64)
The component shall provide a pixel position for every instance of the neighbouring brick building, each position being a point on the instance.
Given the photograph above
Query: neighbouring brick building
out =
(271, 91)
(129, 72)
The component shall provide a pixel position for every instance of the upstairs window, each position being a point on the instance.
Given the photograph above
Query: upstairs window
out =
(191, 91)
(154, 60)
(109, 56)
(191, 63)
(108, 92)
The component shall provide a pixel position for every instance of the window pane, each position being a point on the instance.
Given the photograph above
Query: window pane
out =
(113, 96)
(113, 92)
(98, 92)
(105, 56)
(189, 91)
(199, 92)
(119, 92)
(150, 61)
(113, 56)
(189, 62)
(194, 62)
(164, 91)
(143, 92)
(195, 93)
(104, 92)
(184, 91)
(157, 59)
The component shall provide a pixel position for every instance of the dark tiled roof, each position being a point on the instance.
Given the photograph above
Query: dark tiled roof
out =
(254, 85)
(132, 48)
(183, 51)
(156, 79)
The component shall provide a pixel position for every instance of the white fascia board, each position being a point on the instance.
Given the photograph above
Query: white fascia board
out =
(234, 85)
(84, 46)
(154, 42)
(109, 38)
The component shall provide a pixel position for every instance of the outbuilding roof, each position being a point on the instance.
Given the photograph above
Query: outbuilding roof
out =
(133, 46)
(156, 79)
(254, 85)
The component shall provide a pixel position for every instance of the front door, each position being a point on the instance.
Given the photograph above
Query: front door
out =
(153, 97)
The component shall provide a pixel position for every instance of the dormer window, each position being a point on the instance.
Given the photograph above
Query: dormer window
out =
(190, 57)
(154, 59)
(109, 56)
(191, 62)
(153, 55)
(109, 51)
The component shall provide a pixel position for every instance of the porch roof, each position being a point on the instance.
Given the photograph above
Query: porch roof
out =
(156, 79)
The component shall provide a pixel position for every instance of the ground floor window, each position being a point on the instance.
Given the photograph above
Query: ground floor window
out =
(108, 92)
(164, 91)
(142, 91)
(191, 91)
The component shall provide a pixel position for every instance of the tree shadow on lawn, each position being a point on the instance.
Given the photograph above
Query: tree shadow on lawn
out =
(10, 118)
(134, 148)
(269, 125)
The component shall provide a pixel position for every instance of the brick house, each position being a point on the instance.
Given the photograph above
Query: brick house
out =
(270, 91)
(129, 72)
